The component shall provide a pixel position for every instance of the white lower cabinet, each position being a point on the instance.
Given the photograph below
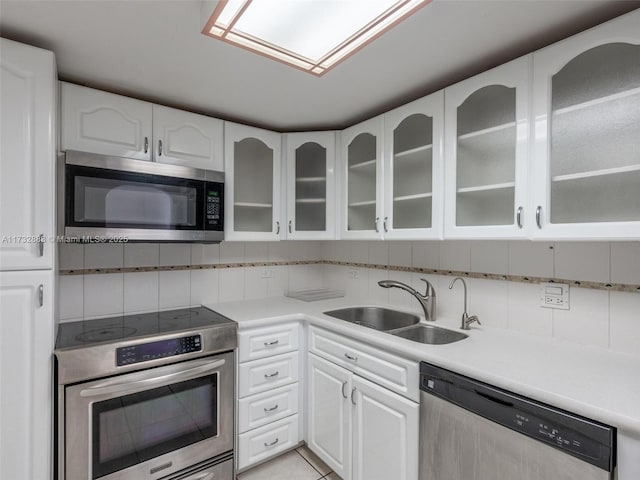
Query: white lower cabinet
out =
(361, 430)
(26, 374)
(269, 395)
(265, 442)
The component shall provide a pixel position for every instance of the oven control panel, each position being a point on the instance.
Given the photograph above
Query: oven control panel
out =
(145, 352)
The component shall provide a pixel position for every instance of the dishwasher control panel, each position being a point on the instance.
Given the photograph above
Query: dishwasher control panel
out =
(586, 439)
(144, 352)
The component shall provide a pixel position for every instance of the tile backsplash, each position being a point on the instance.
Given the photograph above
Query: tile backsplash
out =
(596, 317)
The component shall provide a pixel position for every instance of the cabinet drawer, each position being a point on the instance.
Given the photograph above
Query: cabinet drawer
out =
(267, 373)
(258, 410)
(268, 341)
(392, 372)
(267, 441)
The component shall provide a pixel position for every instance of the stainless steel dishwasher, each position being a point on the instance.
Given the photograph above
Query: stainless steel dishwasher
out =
(473, 431)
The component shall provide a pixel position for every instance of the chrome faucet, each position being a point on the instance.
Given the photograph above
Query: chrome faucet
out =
(466, 319)
(427, 301)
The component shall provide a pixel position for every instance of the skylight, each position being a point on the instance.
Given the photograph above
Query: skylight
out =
(312, 35)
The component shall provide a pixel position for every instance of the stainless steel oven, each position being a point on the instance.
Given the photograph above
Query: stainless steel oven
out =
(146, 406)
(113, 198)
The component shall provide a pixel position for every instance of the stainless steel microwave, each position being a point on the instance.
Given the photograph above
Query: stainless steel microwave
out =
(103, 198)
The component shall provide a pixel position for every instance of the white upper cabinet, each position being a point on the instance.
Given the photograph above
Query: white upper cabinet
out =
(189, 139)
(486, 153)
(586, 102)
(27, 157)
(310, 185)
(105, 123)
(252, 183)
(413, 169)
(361, 172)
(100, 122)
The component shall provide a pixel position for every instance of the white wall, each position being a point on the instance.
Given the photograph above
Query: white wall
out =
(597, 317)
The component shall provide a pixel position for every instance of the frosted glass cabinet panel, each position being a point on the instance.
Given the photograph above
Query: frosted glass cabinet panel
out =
(487, 147)
(311, 185)
(362, 177)
(587, 106)
(252, 182)
(413, 169)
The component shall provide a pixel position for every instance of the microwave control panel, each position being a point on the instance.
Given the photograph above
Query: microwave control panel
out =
(145, 352)
(213, 206)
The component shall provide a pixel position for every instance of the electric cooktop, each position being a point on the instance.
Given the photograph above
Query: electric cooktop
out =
(87, 333)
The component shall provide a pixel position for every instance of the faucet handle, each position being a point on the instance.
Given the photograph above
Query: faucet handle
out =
(470, 320)
(430, 291)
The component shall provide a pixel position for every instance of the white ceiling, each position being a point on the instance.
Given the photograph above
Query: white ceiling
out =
(154, 50)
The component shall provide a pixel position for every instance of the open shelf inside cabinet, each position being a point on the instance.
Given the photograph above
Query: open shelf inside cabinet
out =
(613, 197)
(484, 188)
(311, 200)
(493, 206)
(362, 216)
(311, 179)
(599, 137)
(253, 205)
(363, 165)
(408, 198)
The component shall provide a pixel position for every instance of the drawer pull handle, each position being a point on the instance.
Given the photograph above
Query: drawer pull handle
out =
(271, 444)
(270, 344)
(271, 375)
(344, 384)
(349, 357)
(275, 407)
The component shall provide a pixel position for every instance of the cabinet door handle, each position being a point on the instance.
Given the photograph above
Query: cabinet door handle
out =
(384, 224)
(539, 216)
(275, 407)
(269, 344)
(349, 357)
(159, 148)
(271, 444)
(353, 391)
(376, 224)
(344, 384)
(290, 227)
(271, 375)
(519, 217)
(41, 245)
(41, 295)
(277, 228)
(146, 144)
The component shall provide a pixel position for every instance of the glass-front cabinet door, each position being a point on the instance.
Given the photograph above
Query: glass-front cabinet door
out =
(413, 169)
(486, 145)
(361, 173)
(310, 185)
(587, 134)
(252, 183)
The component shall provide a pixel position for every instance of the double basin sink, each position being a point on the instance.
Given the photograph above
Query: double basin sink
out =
(397, 323)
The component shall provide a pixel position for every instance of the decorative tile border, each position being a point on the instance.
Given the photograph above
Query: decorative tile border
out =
(617, 287)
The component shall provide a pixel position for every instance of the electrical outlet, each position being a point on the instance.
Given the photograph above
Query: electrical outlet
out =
(354, 274)
(554, 295)
(267, 274)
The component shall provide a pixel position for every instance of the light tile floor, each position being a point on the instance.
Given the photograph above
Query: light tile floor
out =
(298, 464)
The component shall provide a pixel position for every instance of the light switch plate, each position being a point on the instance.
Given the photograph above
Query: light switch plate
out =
(554, 295)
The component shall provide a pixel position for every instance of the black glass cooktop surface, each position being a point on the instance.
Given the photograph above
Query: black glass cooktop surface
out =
(127, 327)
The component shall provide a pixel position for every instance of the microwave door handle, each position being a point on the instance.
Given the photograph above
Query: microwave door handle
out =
(124, 388)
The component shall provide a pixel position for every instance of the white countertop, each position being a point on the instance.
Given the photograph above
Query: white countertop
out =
(590, 381)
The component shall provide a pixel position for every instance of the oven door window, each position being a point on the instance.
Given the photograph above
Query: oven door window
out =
(115, 199)
(134, 428)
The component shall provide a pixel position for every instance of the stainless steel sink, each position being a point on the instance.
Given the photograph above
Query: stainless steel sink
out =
(430, 334)
(377, 318)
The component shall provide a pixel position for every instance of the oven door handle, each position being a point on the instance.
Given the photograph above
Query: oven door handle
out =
(123, 388)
